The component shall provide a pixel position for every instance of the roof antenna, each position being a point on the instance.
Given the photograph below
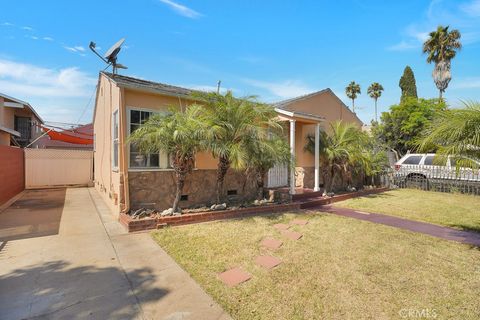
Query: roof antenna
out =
(218, 86)
(110, 57)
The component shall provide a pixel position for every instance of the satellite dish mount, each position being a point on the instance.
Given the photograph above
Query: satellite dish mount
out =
(110, 57)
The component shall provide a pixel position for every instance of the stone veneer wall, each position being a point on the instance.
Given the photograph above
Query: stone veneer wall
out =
(156, 189)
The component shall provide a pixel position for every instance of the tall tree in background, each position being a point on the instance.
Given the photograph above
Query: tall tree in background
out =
(441, 47)
(401, 127)
(375, 91)
(352, 91)
(407, 84)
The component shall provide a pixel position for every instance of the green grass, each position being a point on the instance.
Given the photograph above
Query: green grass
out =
(341, 269)
(447, 209)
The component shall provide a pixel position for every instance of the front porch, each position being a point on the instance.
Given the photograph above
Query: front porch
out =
(299, 177)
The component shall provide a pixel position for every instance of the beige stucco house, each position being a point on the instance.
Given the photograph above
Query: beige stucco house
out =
(18, 121)
(128, 180)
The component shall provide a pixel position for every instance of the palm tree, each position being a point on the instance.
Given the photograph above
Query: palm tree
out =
(441, 47)
(232, 124)
(340, 150)
(375, 91)
(177, 133)
(352, 91)
(455, 132)
(263, 154)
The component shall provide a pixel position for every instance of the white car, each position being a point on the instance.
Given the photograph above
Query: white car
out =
(419, 169)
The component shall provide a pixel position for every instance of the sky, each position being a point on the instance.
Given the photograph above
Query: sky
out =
(271, 49)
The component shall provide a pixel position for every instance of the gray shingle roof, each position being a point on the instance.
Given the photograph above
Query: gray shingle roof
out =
(135, 83)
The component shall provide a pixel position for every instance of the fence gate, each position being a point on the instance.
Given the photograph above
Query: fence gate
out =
(277, 176)
(56, 167)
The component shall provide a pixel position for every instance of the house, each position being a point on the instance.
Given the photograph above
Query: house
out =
(84, 131)
(18, 122)
(128, 179)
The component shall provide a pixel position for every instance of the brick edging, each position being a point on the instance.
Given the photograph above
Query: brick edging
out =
(323, 201)
(153, 223)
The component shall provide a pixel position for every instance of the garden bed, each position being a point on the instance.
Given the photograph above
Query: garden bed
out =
(156, 221)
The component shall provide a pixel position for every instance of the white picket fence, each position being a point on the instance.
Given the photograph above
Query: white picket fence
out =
(56, 167)
(277, 176)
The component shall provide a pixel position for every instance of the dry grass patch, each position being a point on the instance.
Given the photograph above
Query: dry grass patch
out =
(448, 209)
(341, 269)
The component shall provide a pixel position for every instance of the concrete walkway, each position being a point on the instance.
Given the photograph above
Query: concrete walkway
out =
(59, 261)
(467, 237)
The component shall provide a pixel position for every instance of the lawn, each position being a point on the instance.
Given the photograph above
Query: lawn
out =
(447, 209)
(341, 269)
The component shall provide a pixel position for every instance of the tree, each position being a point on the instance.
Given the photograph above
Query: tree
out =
(233, 123)
(264, 154)
(441, 47)
(375, 91)
(400, 127)
(180, 134)
(352, 91)
(340, 150)
(407, 84)
(454, 132)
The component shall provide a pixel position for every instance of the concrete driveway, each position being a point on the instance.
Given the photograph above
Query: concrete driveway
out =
(64, 256)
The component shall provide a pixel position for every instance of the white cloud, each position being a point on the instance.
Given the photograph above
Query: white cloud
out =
(181, 9)
(7, 24)
(47, 38)
(403, 46)
(283, 90)
(27, 28)
(79, 48)
(29, 80)
(467, 83)
(472, 8)
(72, 49)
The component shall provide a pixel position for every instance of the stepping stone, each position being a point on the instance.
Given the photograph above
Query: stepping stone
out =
(271, 243)
(299, 222)
(292, 235)
(281, 226)
(234, 277)
(268, 262)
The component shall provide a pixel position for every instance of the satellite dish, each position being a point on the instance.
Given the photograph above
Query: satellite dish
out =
(110, 56)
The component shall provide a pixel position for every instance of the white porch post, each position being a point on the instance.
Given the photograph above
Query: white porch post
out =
(317, 158)
(292, 152)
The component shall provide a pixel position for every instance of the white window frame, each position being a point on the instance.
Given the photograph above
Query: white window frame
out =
(115, 140)
(130, 168)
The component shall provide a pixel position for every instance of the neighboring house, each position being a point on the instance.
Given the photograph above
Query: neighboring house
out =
(83, 131)
(18, 122)
(128, 179)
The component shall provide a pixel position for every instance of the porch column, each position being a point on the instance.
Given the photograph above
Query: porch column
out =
(292, 152)
(317, 158)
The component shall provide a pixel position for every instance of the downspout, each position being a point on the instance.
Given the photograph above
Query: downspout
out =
(123, 164)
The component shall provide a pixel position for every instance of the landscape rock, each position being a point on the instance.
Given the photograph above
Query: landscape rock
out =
(167, 212)
(221, 206)
(330, 194)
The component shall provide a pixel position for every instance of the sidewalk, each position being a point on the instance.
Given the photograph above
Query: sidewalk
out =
(467, 237)
(59, 261)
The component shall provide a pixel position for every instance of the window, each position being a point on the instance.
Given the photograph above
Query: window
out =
(138, 159)
(115, 139)
(413, 160)
(432, 161)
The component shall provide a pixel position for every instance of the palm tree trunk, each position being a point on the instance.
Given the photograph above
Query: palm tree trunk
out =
(376, 117)
(180, 182)
(260, 184)
(440, 95)
(353, 105)
(222, 168)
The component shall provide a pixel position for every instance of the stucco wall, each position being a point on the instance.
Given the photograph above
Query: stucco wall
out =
(156, 189)
(12, 172)
(106, 181)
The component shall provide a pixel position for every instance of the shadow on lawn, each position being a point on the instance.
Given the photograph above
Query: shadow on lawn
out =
(59, 290)
(466, 228)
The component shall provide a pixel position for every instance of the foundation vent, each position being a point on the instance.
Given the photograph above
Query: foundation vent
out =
(184, 197)
(231, 192)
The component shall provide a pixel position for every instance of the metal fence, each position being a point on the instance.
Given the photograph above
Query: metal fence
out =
(434, 178)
